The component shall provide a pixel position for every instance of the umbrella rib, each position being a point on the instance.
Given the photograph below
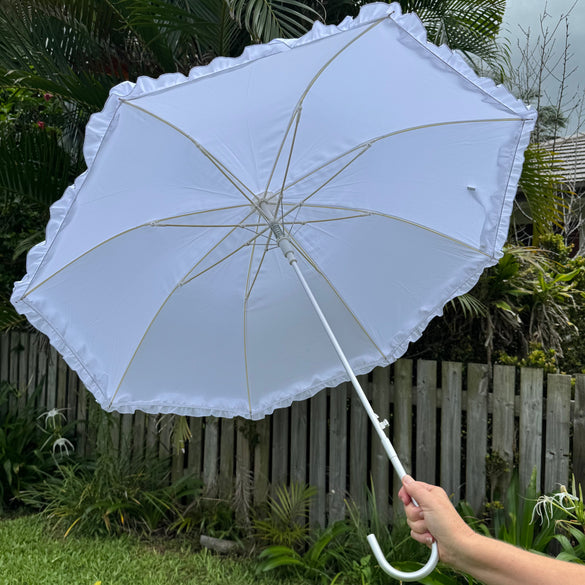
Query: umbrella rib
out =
(298, 108)
(186, 280)
(235, 181)
(368, 143)
(312, 262)
(292, 146)
(250, 226)
(249, 287)
(364, 147)
(367, 212)
(134, 228)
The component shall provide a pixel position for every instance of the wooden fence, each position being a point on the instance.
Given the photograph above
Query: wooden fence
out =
(451, 424)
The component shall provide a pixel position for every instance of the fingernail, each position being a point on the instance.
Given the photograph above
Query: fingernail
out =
(407, 480)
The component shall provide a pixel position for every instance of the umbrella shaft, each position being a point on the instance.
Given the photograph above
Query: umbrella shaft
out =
(288, 251)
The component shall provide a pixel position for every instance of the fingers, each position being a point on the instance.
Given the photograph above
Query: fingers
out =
(413, 513)
(418, 528)
(422, 537)
(404, 497)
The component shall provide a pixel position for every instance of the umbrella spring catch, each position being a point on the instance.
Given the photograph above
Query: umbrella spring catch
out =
(283, 242)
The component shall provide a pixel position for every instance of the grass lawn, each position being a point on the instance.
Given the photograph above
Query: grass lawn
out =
(30, 554)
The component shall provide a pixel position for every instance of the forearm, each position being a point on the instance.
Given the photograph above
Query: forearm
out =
(496, 563)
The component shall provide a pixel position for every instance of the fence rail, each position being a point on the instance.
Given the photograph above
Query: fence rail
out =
(451, 423)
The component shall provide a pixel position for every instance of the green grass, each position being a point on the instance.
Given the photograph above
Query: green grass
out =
(31, 554)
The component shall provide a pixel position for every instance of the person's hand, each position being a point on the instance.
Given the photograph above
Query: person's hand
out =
(434, 519)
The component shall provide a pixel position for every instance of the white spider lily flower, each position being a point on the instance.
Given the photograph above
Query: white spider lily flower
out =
(561, 500)
(51, 417)
(64, 445)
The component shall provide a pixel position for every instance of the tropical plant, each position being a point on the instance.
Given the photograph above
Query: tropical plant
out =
(288, 515)
(406, 554)
(320, 562)
(537, 357)
(111, 496)
(566, 510)
(514, 523)
(214, 517)
(541, 195)
(115, 491)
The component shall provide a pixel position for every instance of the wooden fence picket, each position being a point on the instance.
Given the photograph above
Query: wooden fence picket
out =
(451, 407)
(337, 453)
(503, 430)
(317, 456)
(530, 430)
(558, 418)
(578, 451)
(262, 460)
(476, 435)
(380, 466)
(426, 421)
(402, 421)
(298, 440)
(359, 428)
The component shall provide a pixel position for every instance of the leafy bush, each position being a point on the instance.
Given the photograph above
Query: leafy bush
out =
(114, 493)
(513, 520)
(537, 357)
(533, 295)
(110, 496)
(341, 555)
(210, 516)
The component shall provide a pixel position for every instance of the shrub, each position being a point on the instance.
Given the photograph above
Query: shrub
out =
(114, 493)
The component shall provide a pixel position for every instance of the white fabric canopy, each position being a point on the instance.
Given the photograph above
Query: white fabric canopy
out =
(392, 166)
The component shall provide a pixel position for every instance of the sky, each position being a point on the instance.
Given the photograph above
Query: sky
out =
(526, 15)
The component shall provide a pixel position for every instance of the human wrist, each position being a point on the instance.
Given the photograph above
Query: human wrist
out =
(463, 548)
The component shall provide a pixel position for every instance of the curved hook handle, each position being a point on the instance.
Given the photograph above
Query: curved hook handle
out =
(403, 575)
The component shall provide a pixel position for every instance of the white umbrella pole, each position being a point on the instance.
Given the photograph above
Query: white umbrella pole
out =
(379, 426)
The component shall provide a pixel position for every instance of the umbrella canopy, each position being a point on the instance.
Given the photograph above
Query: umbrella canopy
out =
(388, 163)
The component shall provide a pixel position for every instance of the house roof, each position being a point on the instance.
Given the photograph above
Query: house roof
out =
(571, 151)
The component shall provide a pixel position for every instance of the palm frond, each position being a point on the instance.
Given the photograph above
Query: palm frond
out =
(470, 306)
(468, 26)
(35, 167)
(9, 318)
(269, 19)
(541, 183)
